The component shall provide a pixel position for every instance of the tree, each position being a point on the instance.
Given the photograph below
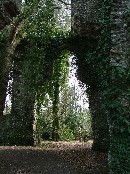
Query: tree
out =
(5, 49)
(74, 117)
(9, 40)
(23, 98)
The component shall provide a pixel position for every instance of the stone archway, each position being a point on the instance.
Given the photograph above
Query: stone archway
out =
(85, 22)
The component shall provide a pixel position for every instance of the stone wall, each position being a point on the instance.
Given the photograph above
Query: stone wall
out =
(85, 16)
(119, 117)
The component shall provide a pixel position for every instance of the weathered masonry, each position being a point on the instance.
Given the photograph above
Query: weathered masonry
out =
(107, 73)
(86, 23)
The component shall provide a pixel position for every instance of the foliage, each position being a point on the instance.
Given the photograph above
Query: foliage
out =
(73, 115)
(74, 121)
(35, 30)
(44, 64)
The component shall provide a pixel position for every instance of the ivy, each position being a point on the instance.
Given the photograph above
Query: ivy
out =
(45, 69)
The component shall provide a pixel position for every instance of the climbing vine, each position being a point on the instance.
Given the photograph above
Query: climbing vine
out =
(44, 69)
(45, 62)
(34, 30)
(114, 89)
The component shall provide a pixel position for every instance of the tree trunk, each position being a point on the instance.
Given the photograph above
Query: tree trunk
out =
(3, 82)
(6, 48)
(56, 126)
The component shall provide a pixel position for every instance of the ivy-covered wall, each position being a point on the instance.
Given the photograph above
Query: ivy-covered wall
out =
(114, 76)
(106, 66)
(86, 21)
(111, 69)
(22, 110)
(85, 16)
(117, 94)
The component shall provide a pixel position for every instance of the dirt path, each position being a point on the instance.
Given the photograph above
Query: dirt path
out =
(61, 158)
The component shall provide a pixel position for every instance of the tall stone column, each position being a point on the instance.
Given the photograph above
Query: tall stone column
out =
(119, 89)
(22, 111)
(86, 22)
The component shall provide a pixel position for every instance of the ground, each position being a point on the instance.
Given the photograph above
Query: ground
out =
(53, 158)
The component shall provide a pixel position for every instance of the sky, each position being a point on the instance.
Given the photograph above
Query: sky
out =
(83, 100)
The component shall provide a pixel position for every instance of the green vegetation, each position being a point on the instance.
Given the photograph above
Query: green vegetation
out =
(74, 121)
(35, 49)
(42, 70)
